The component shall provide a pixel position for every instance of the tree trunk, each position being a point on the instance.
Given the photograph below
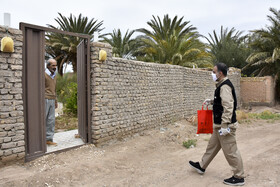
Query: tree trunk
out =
(74, 64)
(59, 70)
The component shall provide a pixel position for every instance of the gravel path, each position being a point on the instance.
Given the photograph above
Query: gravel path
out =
(154, 158)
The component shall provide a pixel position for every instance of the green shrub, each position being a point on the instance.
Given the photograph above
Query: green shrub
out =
(66, 90)
(62, 84)
(190, 143)
(265, 115)
(71, 105)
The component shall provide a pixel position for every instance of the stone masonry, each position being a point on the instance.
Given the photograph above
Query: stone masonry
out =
(131, 96)
(12, 145)
(126, 96)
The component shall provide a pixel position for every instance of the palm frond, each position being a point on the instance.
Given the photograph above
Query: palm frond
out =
(59, 44)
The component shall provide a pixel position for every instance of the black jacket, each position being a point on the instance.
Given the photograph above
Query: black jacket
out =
(217, 105)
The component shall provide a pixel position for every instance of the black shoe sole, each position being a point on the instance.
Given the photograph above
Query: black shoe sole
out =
(236, 184)
(198, 170)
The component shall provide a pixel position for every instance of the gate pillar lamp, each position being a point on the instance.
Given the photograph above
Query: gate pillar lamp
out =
(102, 55)
(7, 44)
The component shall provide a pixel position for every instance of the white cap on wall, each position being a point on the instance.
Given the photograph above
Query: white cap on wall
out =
(7, 19)
(95, 36)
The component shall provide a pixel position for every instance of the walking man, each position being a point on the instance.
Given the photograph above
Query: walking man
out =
(50, 100)
(225, 124)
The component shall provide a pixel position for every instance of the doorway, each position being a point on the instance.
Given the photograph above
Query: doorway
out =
(34, 85)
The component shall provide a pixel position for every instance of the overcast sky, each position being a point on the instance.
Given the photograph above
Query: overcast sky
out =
(206, 15)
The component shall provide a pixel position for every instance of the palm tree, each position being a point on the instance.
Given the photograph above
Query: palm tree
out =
(265, 58)
(63, 47)
(171, 41)
(192, 52)
(266, 48)
(122, 45)
(229, 47)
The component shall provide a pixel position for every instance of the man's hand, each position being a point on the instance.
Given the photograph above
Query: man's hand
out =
(207, 102)
(224, 131)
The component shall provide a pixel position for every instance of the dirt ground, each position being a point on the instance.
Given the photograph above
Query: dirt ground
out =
(154, 158)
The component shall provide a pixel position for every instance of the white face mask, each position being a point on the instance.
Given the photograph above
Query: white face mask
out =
(214, 76)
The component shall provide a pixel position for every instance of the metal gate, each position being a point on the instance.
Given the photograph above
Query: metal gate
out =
(82, 87)
(33, 91)
(34, 87)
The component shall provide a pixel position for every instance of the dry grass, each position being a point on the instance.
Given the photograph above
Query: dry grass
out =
(66, 122)
(242, 116)
(192, 120)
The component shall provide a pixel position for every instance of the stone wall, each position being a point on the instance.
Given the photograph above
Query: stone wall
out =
(130, 96)
(235, 76)
(127, 96)
(258, 91)
(12, 145)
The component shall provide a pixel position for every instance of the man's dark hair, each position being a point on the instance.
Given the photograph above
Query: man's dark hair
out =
(222, 67)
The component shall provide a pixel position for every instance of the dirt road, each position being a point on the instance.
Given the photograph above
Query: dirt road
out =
(154, 158)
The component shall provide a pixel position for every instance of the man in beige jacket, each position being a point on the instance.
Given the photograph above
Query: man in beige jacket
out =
(225, 124)
(50, 100)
